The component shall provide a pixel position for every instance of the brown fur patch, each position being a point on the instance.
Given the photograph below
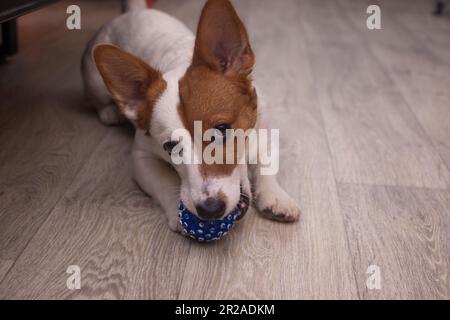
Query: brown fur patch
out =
(217, 87)
(222, 41)
(154, 91)
(133, 84)
(209, 97)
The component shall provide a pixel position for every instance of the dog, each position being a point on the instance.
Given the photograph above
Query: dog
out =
(149, 68)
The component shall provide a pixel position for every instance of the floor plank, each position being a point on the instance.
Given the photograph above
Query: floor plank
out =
(374, 137)
(186, 11)
(109, 228)
(404, 231)
(47, 137)
(5, 265)
(426, 28)
(422, 76)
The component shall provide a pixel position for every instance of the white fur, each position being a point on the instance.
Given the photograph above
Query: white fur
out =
(167, 44)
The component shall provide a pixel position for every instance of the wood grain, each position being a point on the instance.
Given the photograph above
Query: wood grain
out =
(416, 64)
(46, 137)
(5, 265)
(364, 125)
(405, 233)
(374, 137)
(110, 229)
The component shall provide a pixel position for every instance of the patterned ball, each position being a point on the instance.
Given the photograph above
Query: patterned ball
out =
(206, 231)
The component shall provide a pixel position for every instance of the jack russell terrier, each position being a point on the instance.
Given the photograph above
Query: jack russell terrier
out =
(149, 68)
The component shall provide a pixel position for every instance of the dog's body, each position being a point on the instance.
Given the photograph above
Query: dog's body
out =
(182, 85)
(155, 37)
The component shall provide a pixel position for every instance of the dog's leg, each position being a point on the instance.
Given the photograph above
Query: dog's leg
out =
(161, 182)
(271, 200)
(110, 115)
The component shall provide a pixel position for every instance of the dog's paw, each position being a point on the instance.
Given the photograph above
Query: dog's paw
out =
(110, 116)
(174, 224)
(276, 204)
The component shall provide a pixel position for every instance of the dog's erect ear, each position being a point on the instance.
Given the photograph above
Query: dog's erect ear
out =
(134, 85)
(222, 41)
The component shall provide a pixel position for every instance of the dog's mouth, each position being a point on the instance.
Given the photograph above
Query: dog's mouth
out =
(239, 211)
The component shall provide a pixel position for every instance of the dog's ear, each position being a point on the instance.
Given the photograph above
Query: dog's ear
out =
(222, 41)
(134, 85)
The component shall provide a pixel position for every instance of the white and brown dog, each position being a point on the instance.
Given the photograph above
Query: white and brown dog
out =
(149, 68)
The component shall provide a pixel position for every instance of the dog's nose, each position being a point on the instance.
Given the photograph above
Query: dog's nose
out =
(212, 208)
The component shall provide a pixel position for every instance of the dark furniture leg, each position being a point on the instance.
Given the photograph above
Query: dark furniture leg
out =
(439, 9)
(9, 43)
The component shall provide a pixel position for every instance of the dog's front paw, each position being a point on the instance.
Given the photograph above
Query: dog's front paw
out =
(174, 224)
(110, 116)
(276, 204)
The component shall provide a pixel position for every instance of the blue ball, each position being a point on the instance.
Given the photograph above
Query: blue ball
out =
(206, 231)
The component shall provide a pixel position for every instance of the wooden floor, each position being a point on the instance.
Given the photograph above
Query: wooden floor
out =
(365, 118)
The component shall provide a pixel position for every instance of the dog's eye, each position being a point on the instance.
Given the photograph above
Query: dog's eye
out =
(168, 146)
(222, 128)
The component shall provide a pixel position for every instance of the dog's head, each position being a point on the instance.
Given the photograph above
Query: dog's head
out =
(216, 90)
